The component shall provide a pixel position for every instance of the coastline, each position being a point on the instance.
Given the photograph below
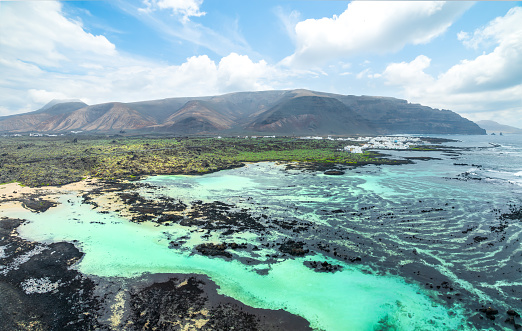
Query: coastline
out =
(95, 196)
(111, 302)
(131, 200)
(56, 296)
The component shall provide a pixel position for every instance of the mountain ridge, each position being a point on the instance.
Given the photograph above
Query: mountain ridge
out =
(495, 127)
(281, 112)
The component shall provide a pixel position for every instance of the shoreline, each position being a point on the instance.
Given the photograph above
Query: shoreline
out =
(43, 162)
(89, 192)
(109, 199)
(114, 303)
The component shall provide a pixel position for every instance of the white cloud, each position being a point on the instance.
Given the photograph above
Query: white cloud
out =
(60, 65)
(367, 73)
(238, 72)
(228, 39)
(495, 32)
(462, 35)
(409, 74)
(363, 73)
(182, 8)
(490, 82)
(288, 20)
(43, 36)
(372, 27)
(44, 96)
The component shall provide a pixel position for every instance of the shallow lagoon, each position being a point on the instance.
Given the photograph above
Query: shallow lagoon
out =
(350, 299)
(361, 297)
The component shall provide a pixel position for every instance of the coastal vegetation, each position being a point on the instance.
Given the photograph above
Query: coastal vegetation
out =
(42, 161)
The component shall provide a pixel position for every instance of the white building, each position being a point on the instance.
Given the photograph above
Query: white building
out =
(383, 142)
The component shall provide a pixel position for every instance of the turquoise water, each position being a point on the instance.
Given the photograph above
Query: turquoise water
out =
(347, 300)
(421, 215)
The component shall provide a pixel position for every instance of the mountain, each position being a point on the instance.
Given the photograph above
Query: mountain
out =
(57, 105)
(494, 127)
(54, 111)
(311, 114)
(284, 112)
(196, 117)
(391, 116)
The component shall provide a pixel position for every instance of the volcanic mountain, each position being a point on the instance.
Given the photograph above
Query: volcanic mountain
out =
(306, 114)
(285, 112)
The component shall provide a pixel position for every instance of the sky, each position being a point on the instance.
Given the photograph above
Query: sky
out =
(463, 56)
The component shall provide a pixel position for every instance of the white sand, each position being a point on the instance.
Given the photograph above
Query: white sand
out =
(10, 193)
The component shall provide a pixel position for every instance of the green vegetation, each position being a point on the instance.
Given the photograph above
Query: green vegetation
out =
(41, 161)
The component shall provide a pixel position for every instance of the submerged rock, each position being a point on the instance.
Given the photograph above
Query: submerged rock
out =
(293, 248)
(38, 289)
(319, 266)
(479, 239)
(334, 172)
(210, 249)
(37, 205)
(490, 312)
(191, 302)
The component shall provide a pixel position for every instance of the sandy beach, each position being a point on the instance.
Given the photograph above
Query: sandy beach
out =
(12, 194)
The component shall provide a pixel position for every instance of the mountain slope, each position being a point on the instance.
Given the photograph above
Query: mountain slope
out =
(237, 106)
(119, 117)
(311, 114)
(35, 121)
(392, 116)
(61, 106)
(195, 117)
(283, 112)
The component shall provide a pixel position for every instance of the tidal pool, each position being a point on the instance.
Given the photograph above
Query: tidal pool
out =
(351, 299)
(432, 221)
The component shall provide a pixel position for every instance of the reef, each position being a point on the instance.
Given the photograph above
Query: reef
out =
(37, 204)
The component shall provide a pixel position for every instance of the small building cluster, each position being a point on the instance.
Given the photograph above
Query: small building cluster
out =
(383, 142)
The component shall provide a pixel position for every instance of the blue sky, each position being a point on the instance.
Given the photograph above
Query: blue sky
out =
(463, 56)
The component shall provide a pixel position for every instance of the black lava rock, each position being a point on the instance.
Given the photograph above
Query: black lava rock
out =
(319, 266)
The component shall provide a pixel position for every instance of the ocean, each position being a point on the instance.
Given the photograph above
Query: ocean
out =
(420, 246)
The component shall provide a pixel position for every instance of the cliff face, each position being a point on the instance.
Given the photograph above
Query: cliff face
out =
(392, 116)
(278, 112)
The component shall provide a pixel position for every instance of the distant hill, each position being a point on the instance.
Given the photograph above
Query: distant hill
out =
(57, 105)
(494, 127)
(287, 112)
(37, 120)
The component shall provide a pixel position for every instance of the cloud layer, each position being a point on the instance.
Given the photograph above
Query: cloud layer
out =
(491, 80)
(368, 27)
(54, 57)
(182, 8)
